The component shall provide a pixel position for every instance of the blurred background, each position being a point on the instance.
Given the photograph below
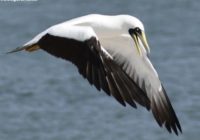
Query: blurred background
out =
(44, 98)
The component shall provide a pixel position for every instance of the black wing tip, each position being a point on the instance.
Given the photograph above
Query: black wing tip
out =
(165, 115)
(175, 124)
(177, 128)
(172, 125)
(173, 128)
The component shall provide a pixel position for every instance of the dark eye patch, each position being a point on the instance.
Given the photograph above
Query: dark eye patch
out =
(134, 31)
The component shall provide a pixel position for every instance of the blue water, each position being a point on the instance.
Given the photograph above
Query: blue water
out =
(44, 98)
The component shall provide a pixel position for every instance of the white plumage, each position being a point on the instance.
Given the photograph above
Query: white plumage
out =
(111, 52)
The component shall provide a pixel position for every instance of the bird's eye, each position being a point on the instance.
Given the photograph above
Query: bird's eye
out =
(137, 30)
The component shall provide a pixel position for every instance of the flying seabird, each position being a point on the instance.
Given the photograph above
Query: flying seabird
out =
(111, 52)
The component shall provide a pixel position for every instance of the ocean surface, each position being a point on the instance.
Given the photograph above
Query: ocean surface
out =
(44, 98)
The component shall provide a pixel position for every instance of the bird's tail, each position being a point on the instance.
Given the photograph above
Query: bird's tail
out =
(30, 48)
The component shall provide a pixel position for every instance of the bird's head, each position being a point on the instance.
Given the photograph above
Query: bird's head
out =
(136, 31)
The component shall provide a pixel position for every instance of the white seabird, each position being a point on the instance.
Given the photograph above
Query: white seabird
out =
(111, 52)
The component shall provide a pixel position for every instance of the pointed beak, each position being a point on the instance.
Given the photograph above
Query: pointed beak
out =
(140, 35)
(135, 38)
(143, 38)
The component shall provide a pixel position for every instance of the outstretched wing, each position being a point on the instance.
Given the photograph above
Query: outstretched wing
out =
(115, 68)
(142, 72)
(81, 46)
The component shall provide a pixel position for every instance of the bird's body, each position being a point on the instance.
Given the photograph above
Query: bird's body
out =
(111, 52)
